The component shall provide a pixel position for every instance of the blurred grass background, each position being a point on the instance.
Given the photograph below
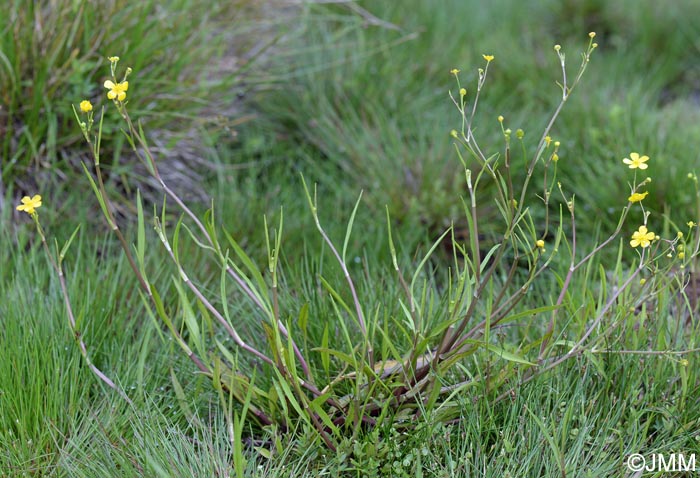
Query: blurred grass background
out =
(241, 98)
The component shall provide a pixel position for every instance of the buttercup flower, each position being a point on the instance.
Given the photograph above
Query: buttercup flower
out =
(636, 161)
(488, 57)
(113, 59)
(636, 197)
(29, 205)
(117, 90)
(85, 106)
(454, 71)
(540, 243)
(642, 237)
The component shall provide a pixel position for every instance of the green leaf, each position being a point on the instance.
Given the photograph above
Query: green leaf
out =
(392, 249)
(505, 355)
(488, 255)
(164, 317)
(348, 231)
(99, 197)
(347, 358)
(190, 319)
(181, 396)
(304, 318)
(210, 226)
(529, 312)
(325, 356)
(65, 247)
(98, 144)
(424, 260)
(261, 291)
(140, 234)
(316, 406)
(176, 240)
(282, 384)
(336, 296)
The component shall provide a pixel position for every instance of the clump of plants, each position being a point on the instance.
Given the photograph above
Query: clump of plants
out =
(52, 50)
(281, 364)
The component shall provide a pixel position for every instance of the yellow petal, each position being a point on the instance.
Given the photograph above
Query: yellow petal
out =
(109, 84)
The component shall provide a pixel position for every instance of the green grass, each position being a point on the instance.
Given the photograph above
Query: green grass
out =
(53, 55)
(375, 101)
(362, 107)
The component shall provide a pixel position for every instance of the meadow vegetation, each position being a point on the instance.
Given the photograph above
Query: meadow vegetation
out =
(509, 296)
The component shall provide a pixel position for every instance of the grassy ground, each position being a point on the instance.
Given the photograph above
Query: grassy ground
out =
(357, 100)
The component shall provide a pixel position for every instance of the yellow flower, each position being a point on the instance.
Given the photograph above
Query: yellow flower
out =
(591, 34)
(642, 237)
(500, 118)
(691, 224)
(540, 243)
(113, 59)
(547, 140)
(30, 204)
(462, 92)
(637, 197)
(85, 106)
(488, 57)
(117, 91)
(454, 71)
(636, 161)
